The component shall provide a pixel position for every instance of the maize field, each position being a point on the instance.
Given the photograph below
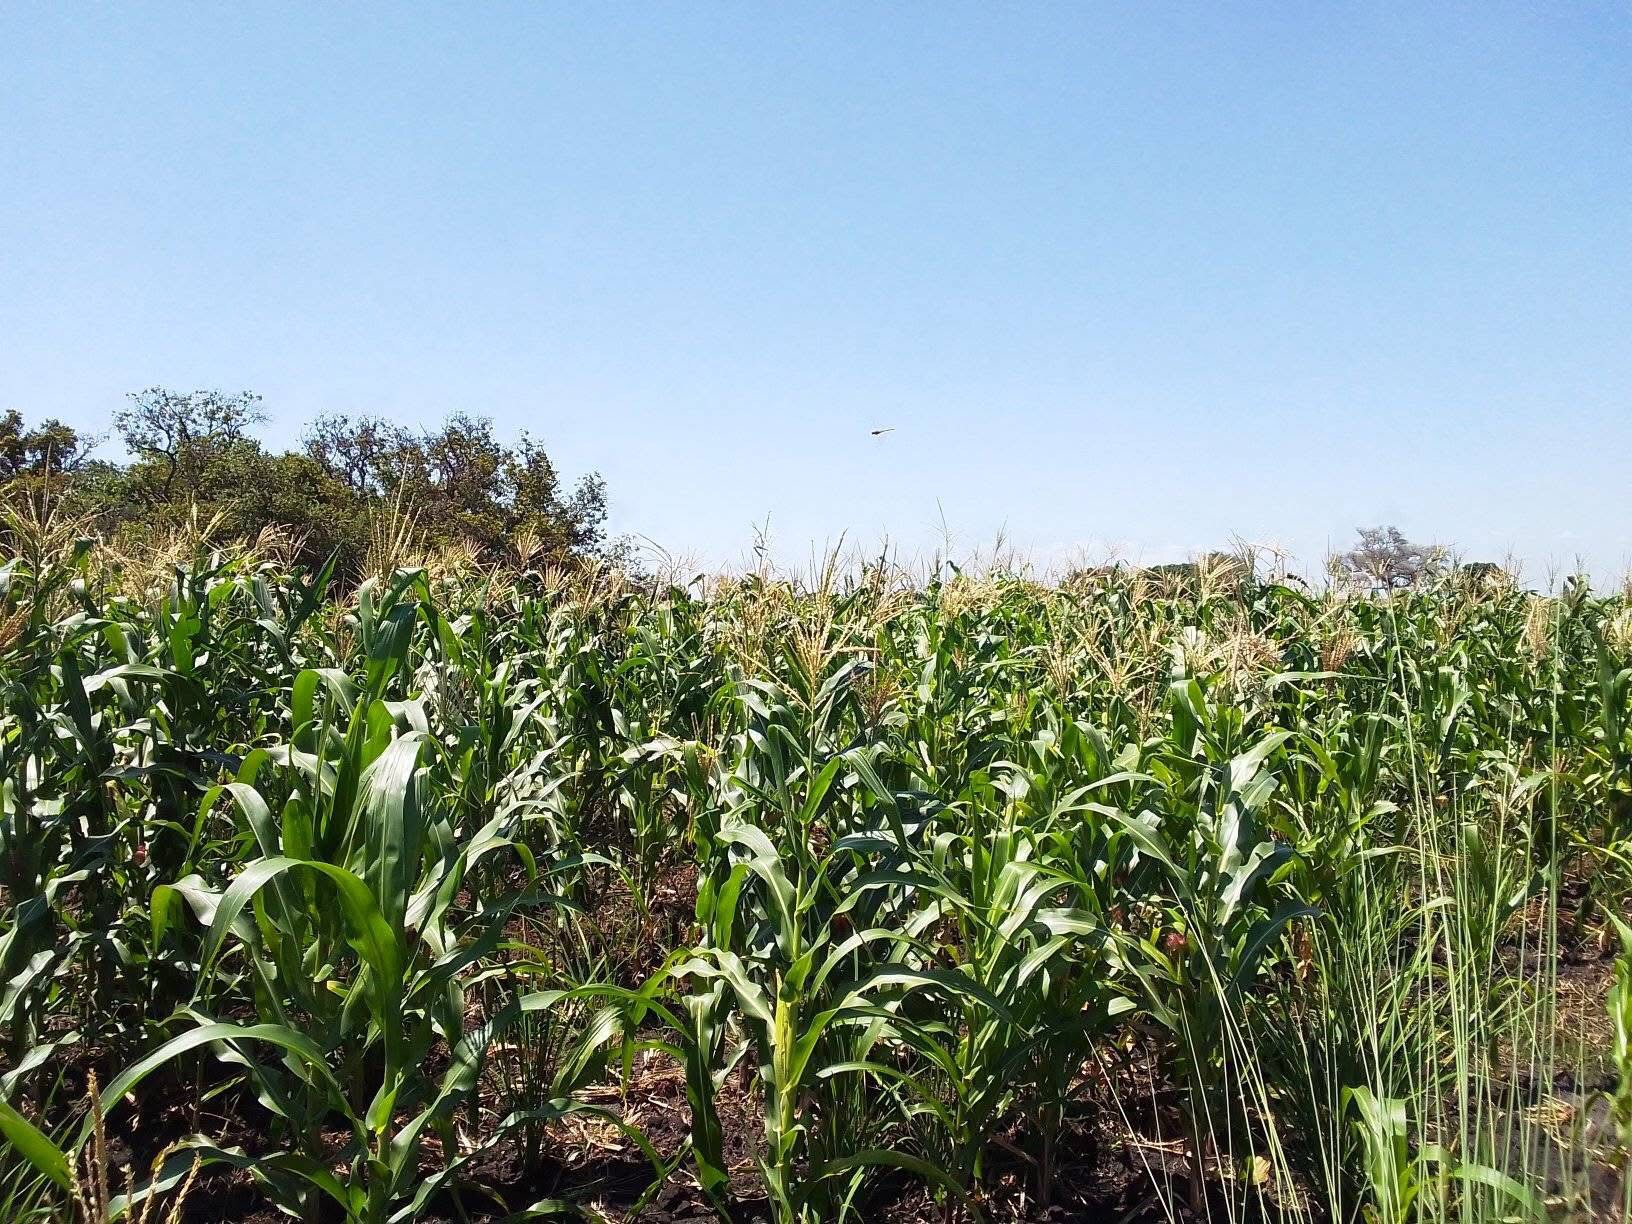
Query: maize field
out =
(462, 895)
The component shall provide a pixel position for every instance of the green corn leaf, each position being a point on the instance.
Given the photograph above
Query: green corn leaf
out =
(35, 1146)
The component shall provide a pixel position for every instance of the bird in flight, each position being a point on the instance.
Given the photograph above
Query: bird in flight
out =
(879, 433)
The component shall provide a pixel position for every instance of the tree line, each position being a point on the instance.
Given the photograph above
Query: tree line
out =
(193, 454)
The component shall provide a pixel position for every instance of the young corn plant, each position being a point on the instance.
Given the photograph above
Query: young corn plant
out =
(347, 930)
(1221, 908)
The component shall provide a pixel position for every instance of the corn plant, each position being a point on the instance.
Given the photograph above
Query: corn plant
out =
(939, 874)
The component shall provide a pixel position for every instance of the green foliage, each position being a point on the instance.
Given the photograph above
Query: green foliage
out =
(354, 486)
(941, 877)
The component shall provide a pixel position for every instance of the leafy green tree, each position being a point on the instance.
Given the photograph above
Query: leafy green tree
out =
(191, 451)
(178, 435)
(462, 484)
(359, 451)
(295, 493)
(47, 471)
(49, 449)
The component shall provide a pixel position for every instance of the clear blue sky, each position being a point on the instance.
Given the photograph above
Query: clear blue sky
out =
(1134, 273)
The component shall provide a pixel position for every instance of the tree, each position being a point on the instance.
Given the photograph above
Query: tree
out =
(181, 433)
(1210, 569)
(1384, 559)
(44, 471)
(460, 483)
(293, 491)
(360, 452)
(567, 523)
(50, 449)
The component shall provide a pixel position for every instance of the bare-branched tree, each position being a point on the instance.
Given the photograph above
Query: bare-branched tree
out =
(1383, 559)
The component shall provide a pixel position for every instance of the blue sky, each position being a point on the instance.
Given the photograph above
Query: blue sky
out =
(1147, 275)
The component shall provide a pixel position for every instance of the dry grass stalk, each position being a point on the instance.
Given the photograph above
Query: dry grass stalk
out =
(90, 1181)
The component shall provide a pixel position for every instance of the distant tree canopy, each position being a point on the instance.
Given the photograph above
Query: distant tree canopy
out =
(458, 484)
(46, 450)
(1216, 566)
(1383, 559)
